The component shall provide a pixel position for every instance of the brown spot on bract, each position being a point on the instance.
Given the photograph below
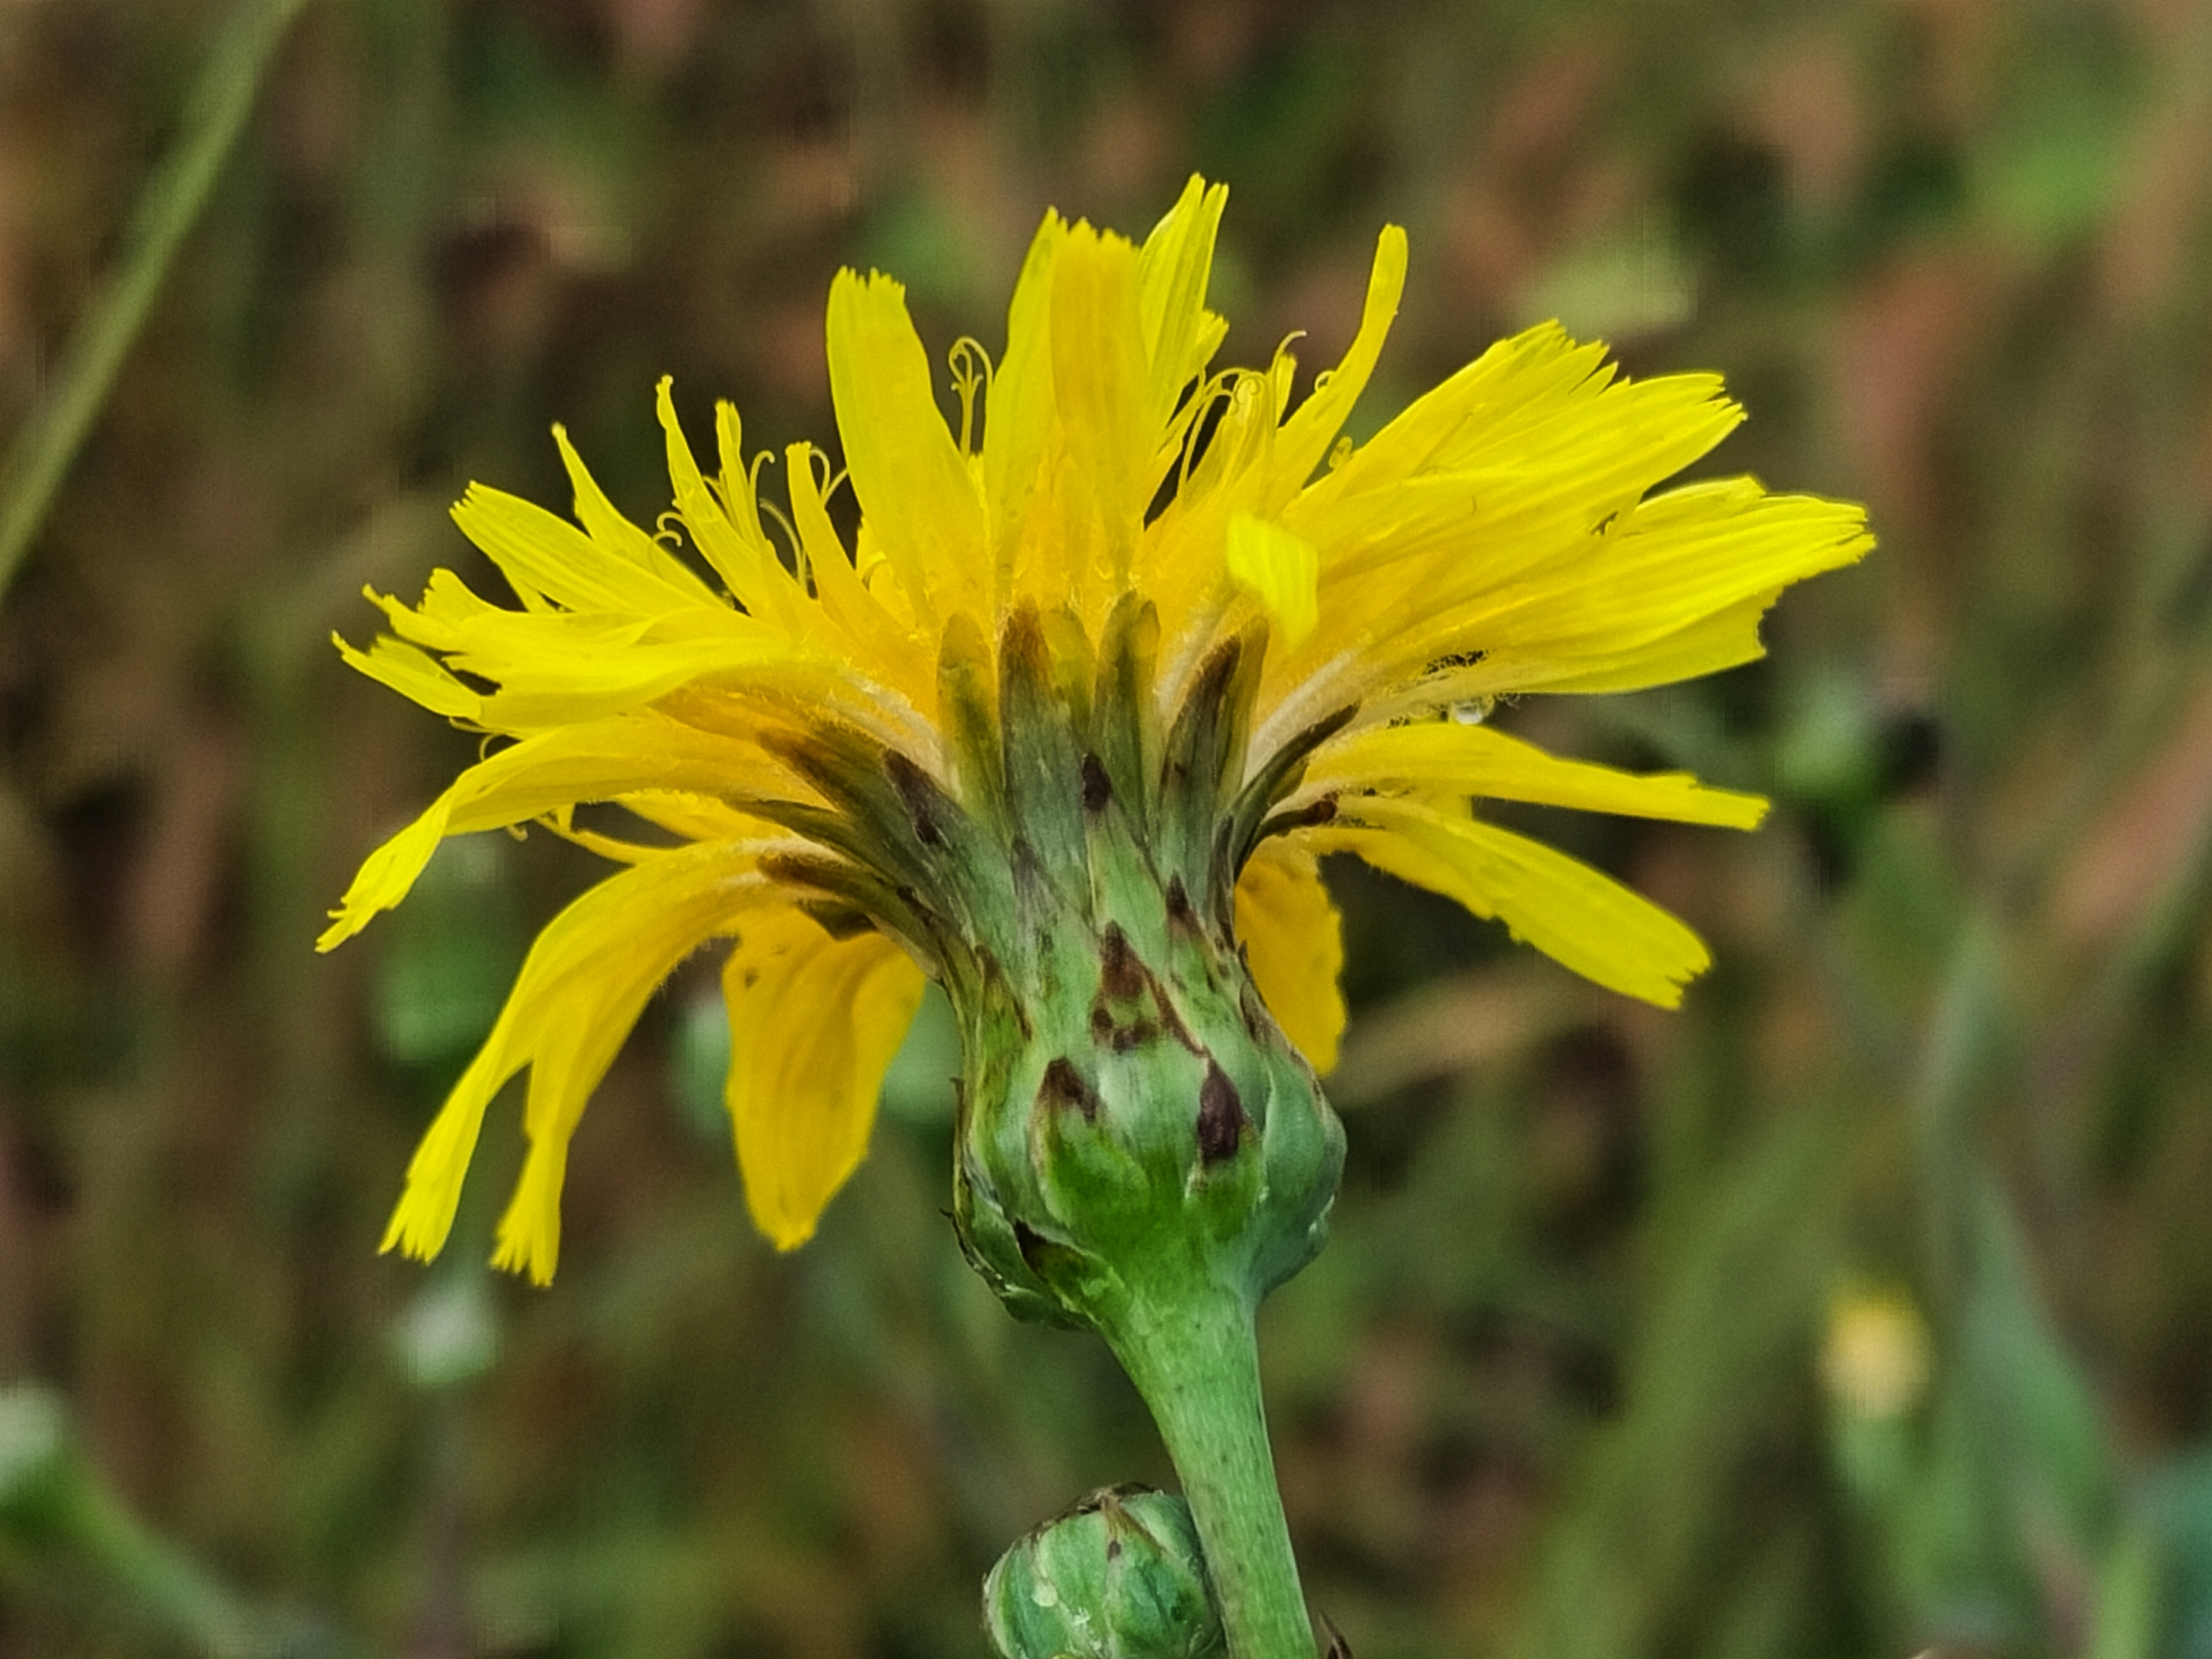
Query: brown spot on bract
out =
(914, 792)
(1063, 1086)
(1120, 977)
(1179, 912)
(1221, 1118)
(1096, 790)
(1136, 1035)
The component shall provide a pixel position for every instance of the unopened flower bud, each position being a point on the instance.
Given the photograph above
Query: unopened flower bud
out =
(1119, 1576)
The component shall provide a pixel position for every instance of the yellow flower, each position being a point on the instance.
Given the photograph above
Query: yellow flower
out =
(1875, 1360)
(1498, 538)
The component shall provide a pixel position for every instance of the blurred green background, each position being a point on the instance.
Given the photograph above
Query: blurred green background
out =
(1863, 1306)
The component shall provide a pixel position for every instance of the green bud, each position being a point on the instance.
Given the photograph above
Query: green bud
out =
(1119, 1576)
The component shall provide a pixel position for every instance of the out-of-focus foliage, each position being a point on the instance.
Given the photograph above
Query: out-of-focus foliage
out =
(1864, 1305)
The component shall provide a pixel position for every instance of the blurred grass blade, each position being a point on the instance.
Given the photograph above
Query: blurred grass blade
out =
(168, 207)
(2053, 1451)
(56, 1505)
(2129, 1598)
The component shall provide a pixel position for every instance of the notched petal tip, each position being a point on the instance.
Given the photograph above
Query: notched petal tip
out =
(417, 1236)
(1753, 808)
(786, 1237)
(526, 1254)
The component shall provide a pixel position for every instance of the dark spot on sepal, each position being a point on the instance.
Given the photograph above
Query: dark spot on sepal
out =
(1280, 777)
(840, 922)
(1323, 810)
(1179, 912)
(917, 794)
(848, 885)
(1097, 789)
(1122, 977)
(1221, 1118)
(1127, 1037)
(1216, 674)
(1063, 1086)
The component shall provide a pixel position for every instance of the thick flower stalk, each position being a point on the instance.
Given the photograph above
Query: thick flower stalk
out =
(1064, 723)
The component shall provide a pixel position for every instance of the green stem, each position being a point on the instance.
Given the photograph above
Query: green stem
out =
(1196, 1361)
(166, 207)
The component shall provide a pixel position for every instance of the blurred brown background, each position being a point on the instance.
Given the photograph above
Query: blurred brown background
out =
(1864, 1305)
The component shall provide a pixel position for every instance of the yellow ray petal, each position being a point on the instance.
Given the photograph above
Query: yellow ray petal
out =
(915, 488)
(1100, 380)
(1283, 570)
(703, 817)
(615, 534)
(1185, 550)
(592, 675)
(1313, 426)
(814, 1022)
(415, 674)
(546, 557)
(1447, 757)
(1723, 640)
(846, 600)
(728, 533)
(736, 489)
(1606, 601)
(1542, 406)
(580, 990)
(1680, 558)
(568, 766)
(1498, 475)
(1018, 413)
(1180, 333)
(1294, 946)
(1580, 918)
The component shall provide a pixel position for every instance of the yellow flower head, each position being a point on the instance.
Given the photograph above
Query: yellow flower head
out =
(1201, 574)
(1875, 1360)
